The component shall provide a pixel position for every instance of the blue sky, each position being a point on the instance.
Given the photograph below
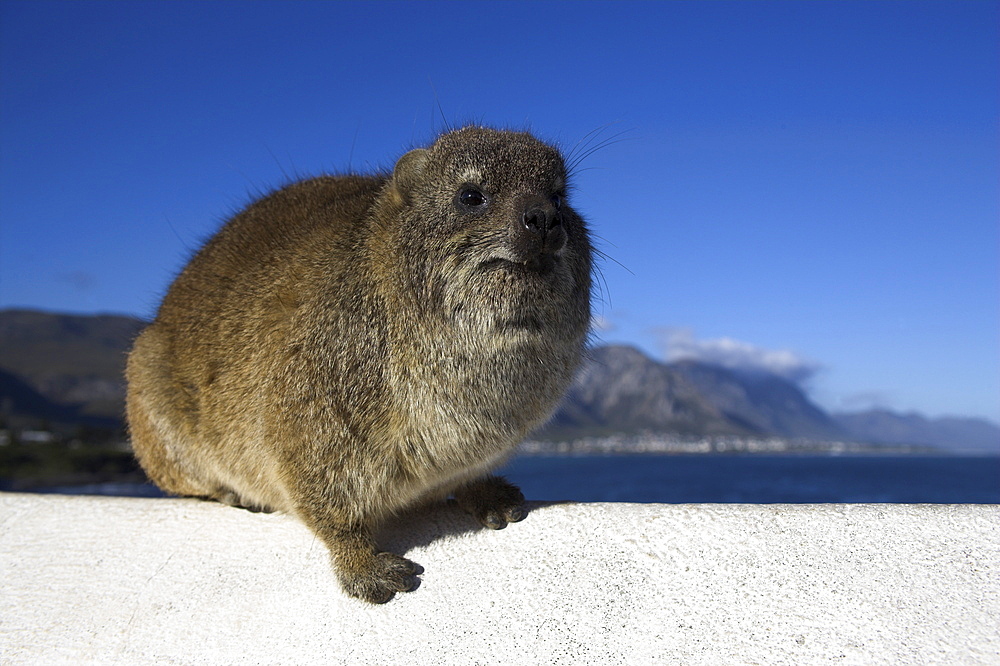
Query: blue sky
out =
(812, 187)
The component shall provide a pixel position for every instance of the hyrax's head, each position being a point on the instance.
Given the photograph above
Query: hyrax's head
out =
(489, 233)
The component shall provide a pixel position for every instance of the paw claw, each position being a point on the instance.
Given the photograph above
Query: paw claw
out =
(493, 521)
(388, 574)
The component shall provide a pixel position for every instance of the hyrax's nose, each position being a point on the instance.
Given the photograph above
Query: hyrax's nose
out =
(543, 224)
(537, 220)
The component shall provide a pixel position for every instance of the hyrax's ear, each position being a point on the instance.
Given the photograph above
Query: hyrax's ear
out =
(408, 170)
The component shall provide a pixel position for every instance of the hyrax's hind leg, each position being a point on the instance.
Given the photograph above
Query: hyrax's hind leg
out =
(152, 406)
(232, 498)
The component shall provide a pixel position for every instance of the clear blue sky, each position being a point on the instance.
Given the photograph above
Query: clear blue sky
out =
(810, 186)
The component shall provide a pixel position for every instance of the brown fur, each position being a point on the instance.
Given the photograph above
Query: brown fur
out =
(350, 346)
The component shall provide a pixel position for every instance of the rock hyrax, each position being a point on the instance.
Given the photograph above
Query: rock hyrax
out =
(350, 346)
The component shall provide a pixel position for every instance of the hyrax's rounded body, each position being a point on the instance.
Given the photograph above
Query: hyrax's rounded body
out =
(350, 346)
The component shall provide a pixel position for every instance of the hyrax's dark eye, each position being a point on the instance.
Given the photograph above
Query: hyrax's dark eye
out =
(470, 197)
(556, 200)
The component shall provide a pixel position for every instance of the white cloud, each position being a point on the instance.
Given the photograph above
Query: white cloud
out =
(864, 401)
(601, 324)
(680, 343)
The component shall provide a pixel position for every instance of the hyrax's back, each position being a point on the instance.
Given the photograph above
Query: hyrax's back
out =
(350, 346)
(226, 313)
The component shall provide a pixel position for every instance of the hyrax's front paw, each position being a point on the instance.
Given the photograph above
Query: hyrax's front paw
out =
(493, 500)
(379, 578)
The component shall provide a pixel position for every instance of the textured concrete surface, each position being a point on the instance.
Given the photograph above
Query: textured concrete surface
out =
(129, 581)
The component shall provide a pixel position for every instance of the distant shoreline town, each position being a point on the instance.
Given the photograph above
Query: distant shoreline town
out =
(659, 443)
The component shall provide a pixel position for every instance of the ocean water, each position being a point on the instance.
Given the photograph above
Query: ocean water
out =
(755, 479)
(759, 478)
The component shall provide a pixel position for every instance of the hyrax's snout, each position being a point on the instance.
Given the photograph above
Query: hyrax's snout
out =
(537, 231)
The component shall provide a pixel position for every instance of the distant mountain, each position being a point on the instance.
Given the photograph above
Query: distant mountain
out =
(760, 402)
(622, 390)
(64, 369)
(950, 433)
(21, 406)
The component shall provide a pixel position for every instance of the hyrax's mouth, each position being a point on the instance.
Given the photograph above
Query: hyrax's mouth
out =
(542, 264)
(524, 323)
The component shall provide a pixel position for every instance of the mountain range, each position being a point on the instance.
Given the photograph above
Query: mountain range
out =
(621, 390)
(61, 372)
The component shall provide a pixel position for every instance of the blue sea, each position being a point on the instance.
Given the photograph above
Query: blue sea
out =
(759, 478)
(756, 478)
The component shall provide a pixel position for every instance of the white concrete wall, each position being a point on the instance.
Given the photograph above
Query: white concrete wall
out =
(131, 581)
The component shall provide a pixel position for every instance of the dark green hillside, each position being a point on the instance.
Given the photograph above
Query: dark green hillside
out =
(75, 363)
